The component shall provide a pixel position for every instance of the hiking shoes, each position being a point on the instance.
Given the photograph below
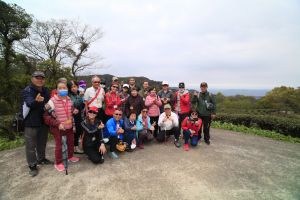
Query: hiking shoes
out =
(113, 155)
(60, 167)
(207, 142)
(177, 144)
(140, 145)
(44, 161)
(73, 159)
(33, 170)
(186, 147)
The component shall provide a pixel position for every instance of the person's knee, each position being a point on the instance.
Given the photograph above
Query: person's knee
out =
(98, 160)
(194, 143)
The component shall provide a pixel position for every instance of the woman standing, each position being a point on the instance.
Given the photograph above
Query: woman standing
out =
(112, 100)
(191, 126)
(77, 99)
(93, 144)
(153, 102)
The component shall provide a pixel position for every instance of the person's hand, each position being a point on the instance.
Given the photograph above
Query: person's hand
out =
(115, 100)
(101, 126)
(120, 131)
(195, 93)
(134, 141)
(154, 123)
(213, 116)
(75, 112)
(122, 83)
(39, 98)
(154, 99)
(197, 123)
(175, 109)
(180, 95)
(102, 149)
(61, 127)
(171, 118)
(81, 93)
(123, 100)
(143, 124)
(168, 99)
(165, 119)
(134, 128)
(192, 135)
(103, 93)
(146, 93)
(152, 128)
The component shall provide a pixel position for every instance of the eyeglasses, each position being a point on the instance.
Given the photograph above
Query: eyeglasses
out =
(194, 114)
(144, 111)
(115, 86)
(93, 112)
(97, 82)
(119, 114)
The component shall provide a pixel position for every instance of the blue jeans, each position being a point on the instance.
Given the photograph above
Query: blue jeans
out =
(128, 137)
(187, 136)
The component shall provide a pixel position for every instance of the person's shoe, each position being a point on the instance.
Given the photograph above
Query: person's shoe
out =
(140, 145)
(60, 167)
(186, 147)
(78, 150)
(113, 155)
(207, 142)
(33, 170)
(129, 150)
(73, 159)
(44, 161)
(177, 144)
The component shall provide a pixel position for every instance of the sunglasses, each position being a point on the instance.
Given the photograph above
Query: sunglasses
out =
(165, 85)
(115, 86)
(91, 111)
(145, 111)
(119, 114)
(194, 114)
(181, 87)
(97, 82)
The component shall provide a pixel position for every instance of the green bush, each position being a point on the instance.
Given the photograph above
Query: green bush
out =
(285, 126)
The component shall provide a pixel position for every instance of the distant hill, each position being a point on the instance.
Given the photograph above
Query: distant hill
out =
(140, 80)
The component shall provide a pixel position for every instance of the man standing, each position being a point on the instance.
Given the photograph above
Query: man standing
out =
(168, 123)
(207, 112)
(144, 92)
(165, 95)
(35, 96)
(132, 85)
(94, 96)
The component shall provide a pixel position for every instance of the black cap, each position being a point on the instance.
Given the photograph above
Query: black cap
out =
(203, 84)
(181, 84)
(38, 73)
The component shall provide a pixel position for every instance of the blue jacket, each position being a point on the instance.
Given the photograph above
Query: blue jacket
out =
(29, 94)
(127, 127)
(110, 128)
(139, 125)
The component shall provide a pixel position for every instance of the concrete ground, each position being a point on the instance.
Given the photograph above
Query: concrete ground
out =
(234, 166)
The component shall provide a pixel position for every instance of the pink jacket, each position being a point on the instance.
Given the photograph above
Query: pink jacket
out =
(153, 106)
(60, 111)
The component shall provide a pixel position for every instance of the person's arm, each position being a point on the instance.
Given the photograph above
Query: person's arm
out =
(77, 101)
(158, 102)
(127, 106)
(197, 128)
(49, 120)
(175, 101)
(111, 128)
(175, 123)
(127, 127)
(172, 100)
(87, 130)
(30, 100)
(109, 101)
(149, 101)
(119, 102)
(185, 98)
(195, 99)
(184, 125)
(161, 117)
(139, 125)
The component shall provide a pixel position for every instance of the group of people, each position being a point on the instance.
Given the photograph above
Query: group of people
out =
(122, 116)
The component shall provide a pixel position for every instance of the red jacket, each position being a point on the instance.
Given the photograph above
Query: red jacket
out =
(111, 106)
(185, 126)
(184, 102)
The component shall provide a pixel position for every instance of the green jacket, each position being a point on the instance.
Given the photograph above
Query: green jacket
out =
(76, 99)
(142, 93)
(201, 106)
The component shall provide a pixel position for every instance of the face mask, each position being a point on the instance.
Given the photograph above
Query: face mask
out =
(181, 90)
(63, 93)
(102, 86)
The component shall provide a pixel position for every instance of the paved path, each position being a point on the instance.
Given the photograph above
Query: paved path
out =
(234, 166)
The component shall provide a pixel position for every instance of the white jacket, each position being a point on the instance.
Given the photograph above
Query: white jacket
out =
(168, 125)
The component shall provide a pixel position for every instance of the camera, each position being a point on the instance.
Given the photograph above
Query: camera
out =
(194, 119)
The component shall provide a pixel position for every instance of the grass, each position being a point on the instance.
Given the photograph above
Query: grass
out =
(254, 131)
(17, 142)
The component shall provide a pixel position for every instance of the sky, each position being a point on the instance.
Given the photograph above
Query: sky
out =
(230, 44)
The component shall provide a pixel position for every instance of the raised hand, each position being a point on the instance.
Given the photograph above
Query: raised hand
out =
(39, 98)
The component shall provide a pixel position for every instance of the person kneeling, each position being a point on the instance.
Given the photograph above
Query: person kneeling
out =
(130, 131)
(114, 132)
(144, 127)
(191, 125)
(168, 123)
(93, 144)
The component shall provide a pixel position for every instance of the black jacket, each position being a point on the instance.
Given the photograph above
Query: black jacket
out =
(29, 94)
(92, 135)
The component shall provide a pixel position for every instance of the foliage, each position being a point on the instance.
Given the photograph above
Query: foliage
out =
(285, 126)
(254, 131)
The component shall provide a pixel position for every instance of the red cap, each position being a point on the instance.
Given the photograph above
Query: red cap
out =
(94, 108)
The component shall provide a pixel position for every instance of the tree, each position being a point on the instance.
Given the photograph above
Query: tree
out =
(14, 25)
(64, 41)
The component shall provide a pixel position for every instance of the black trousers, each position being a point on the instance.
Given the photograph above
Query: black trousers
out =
(181, 118)
(206, 121)
(152, 120)
(161, 135)
(112, 143)
(93, 154)
(77, 135)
